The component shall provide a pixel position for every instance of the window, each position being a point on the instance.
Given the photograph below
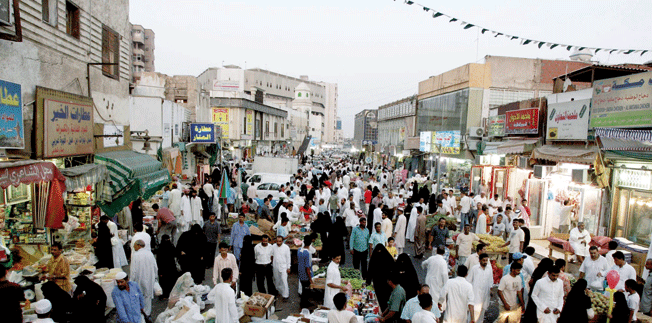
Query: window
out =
(111, 52)
(282, 132)
(72, 19)
(266, 128)
(264, 187)
(244, 124)
(299, 95)
(49, 12)
(275, 129)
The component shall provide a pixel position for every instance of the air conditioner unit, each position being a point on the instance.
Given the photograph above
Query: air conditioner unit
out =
(581, 176)
(473, 144)
(541, 171)
(476, 132)
(523, 162)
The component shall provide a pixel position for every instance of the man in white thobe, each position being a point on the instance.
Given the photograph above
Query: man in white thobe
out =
(225, 307)
(412, 224)
(399, 231)
(437, 272)
(117, 245)
(144, 272)
(386, 226)
(457, 299)
(140, 234)
(195, 209)
(481, 227)
(425, 315)
(186, 213)
(594, 269)
(579, 239)
(281, 266)
(548, 295)
(174, 203)
(481, 278)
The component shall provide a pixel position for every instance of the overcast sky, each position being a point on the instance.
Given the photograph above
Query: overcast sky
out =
(378, 50)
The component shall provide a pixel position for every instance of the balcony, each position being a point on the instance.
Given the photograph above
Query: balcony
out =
(138, 51)
(138, 37)
(138, 63)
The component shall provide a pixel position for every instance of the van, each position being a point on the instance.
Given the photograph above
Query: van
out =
(258, 178)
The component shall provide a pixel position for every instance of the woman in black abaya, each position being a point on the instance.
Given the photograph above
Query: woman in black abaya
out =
(336, 236)
(247, 265)
(323, 226)
(381, 267)
(191, 247)
(103, 248)
(408, 278)
(167, 266)
(89, 301)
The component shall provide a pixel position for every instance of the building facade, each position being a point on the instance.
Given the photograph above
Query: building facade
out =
(183, 90)
(330, 104)
(396, 122)
(142, 51)
(365, 132)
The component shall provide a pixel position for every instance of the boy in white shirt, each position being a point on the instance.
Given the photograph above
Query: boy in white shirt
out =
(498, 229)
(633, 299)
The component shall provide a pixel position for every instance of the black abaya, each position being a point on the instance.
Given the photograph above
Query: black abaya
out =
(137, 211)
(193, 244)
(89, 301)
(103, 248)
(336, 239)
(61, 301)
(323, 226)
(247, 265)
(408, 278)
(167, 267)
(381, 267)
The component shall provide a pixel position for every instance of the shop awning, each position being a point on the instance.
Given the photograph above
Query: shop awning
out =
(81, 176)
(566, 154)
(509, 147)
(28, 172)
(131, 175)
(624, 139)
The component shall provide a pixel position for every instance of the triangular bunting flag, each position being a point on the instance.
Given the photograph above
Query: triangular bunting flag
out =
(468, 26)
(498, 34)
(484, 29)
(526, 41)
(629, 52)
(611, 51)
(409, 2)
(437, 14)
(597, 50)
(514, 37)
(426, 9)
(453, 20)
(582, 48)
(569, 47)
(541, 44)
(553, 46)
(643, 52)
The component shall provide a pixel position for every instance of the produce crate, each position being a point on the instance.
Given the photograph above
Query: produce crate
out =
(256, 310)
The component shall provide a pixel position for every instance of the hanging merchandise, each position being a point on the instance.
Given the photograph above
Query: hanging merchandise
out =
(526, 41)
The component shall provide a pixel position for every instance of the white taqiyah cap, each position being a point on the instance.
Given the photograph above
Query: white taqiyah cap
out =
(43, 306)
(120, 275)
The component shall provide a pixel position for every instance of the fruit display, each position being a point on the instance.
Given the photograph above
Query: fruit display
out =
(345, 273)
(317, 242)
(451, 222)
(493, 243)
(599, 303)
(356, 283)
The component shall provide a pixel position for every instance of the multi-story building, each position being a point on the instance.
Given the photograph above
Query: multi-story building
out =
(365, 132)
(396, 122)
(142, 51)
(183, 90)
(75, 53)
(330, 123)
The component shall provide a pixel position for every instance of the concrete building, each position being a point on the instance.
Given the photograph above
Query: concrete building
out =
(142, 51)
(330, 123)
(396, 122)
(365, 132)
(183, 90)
(60, 41)
(463, 97)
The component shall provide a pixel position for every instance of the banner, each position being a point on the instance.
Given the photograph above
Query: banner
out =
(624, 101)
(11, 116)
(220, 117)
(425, 140)
(202, 133)
(568, 120)
(496, 126)
(226, 85)
(449, 141)
(68, 129)
(519, 122)
(249, 125)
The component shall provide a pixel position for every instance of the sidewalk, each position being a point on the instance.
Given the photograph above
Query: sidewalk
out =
(541, 251)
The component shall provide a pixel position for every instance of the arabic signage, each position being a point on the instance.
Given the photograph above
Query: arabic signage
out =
(568, 120)
(520, 122)
(249, 124)
(11, 116)
(68, 129)
(226, 85)
(496, 126)
(202, 133)
(449, 141)
(220, 117)
(622, 101)
(425, 141)
(31, 173)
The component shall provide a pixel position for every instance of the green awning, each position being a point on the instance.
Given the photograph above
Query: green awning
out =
(131, 174)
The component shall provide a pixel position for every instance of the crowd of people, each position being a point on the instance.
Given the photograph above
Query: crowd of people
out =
(370, 212)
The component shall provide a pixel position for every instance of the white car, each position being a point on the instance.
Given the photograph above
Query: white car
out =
(265, 189)
(259, 178)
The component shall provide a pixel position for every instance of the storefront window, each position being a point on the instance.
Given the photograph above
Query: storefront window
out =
(535, 200)
(639, 217)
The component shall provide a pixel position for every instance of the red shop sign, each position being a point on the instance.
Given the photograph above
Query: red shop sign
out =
(28, 172)
(522, 122)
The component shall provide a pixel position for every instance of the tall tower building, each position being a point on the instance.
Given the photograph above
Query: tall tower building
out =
(142, 51)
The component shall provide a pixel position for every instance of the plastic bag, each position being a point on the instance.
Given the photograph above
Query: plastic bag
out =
(158, 291)
(181, 288)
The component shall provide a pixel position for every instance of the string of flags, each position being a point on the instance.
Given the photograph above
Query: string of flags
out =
(524, 41)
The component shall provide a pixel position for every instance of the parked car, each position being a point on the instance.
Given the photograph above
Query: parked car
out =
(265, 189)
(258, 178)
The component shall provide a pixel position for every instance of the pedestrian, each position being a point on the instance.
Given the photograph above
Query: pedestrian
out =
(304, 268)
(412, 223)
(377, 237)
(457, 295)
(42, 309)
(465, 243)
(526, 232)
(407, 274)
(474, 259)
(633, 299)
(11, 294)
(62, 304)
(386, 226)
(212, 232)
(191, 249)
(420, 234)
(625, 270)
(137, 211)
(140, 234)
(510, 293)
(128, 299)
(166, 220)
(481, 226)
(225, 308)
(481, 278)
(548, 295)
(144, 272)
(359, 244)
(516, 240)
(577, 305)
(168, 274)
(439, 234)
(646, 295)
(412, 306)
(396, 302)
(381, 267)
(465, 202)
(340, 314)
(196, 209)
(247, 266)
(264, 270)
(102, 244)
(336, 236)
(425, 315)
(238, 232)
(399, 230)
(281, 262)
(436, 272)
(621, 311)
(531, 308)
(333, 282)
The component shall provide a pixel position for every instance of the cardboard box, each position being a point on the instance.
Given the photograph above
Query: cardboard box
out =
(256, 310)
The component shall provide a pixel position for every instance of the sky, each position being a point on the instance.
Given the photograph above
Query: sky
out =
(377, 51)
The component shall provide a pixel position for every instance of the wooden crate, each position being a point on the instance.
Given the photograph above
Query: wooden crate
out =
(256, 310)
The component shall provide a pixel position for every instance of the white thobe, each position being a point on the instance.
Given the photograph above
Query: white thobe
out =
(626, 272)
(378, 217)
(280, 264)
(412, 224)
(481, 226)
(576, 239)
(386, 226)
(357, 193)
(399, 229)
(548, 294)
(471, 261)
(147, 239)
(225, 307)
(332, 277)
(174, 203)
(424, 316)
(436, 275)
(591, 268)
(144, 272)
(217, 207)
(186, 209)
(481, 279)
(458, 295)
(196, 208)
(117, 246)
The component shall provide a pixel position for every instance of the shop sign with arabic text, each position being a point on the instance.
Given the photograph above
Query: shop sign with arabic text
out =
(519, 122)
(496, 126)
(202, 133)
(68, 129)
(622, 101)
(11, 116)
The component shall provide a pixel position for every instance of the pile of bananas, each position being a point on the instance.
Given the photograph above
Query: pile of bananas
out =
(494, 243)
